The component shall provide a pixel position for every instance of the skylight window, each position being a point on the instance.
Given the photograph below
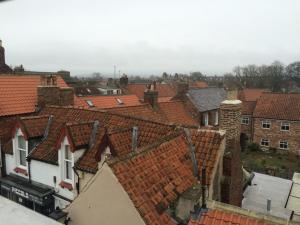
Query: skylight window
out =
(90, 103)
(88, 90)
(120, 102)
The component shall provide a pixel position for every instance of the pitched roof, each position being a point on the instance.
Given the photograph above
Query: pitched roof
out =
(155, 178)
(199, 84)
(206, 99)
(34, 126)
(248, 94)
(173, 112)
(103, 102)
(47, 150)
(218, 217)
(156, 175)
(19, 93)
(164, 90)
(279, 106)
(248, 107)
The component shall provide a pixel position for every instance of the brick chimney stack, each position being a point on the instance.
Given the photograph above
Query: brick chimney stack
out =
(181, 89)
(51, 94)
(230, 117)
(151, 95)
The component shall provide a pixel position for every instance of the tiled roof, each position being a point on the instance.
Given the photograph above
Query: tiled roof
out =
(19, 93)
(199, 84)
(250, 94)
(248, 107)
(278, 106)
(164, 99)
(169, 112)
(34, 126)
(89, 161)
(164, 90)
(46, 150)
(156, 177)
(206, 99)
(218, 217)
(103, 102)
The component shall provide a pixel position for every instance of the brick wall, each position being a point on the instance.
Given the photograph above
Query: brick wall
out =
(230, 116)
(274, 134)
(66, 96)
(48, 95)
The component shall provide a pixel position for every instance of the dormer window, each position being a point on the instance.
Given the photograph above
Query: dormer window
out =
(22, 151)
(67, 163)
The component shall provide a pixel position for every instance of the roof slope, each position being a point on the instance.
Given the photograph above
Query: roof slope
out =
(164, 90)
(103, 102)
(155, 178)
(173, 112)
(19, 93)
(206, 99)
(248, 107)
(252, 94)
(218, 217)
(279, 106)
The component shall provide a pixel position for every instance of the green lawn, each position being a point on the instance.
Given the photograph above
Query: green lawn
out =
(276, 164)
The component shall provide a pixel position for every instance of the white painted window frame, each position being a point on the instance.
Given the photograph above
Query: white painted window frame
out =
(206, 119)
(266, 122)
(245, 118)
(264, 140)
(65, 161)
(284, 141)
(18, 149)
(285, 124)
(216, 118)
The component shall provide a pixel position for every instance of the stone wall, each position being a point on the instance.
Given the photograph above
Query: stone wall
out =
(274, 134)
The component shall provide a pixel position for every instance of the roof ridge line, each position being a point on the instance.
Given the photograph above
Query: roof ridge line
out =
(34, 117)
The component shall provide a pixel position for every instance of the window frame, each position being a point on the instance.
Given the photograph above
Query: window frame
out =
(287, 145)
(19, 150)
(264, 140)
(266, 122)
(245, 117)
(65, 162)
(205, 118)
(283, 124)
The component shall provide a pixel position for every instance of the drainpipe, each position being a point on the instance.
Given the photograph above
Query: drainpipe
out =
(29, 170)
(78, 181)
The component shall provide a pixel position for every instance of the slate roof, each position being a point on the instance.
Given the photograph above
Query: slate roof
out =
(206, 99)
(19, 93)
(218, 217)
(280, 106)
(164, 90)
(104, 102)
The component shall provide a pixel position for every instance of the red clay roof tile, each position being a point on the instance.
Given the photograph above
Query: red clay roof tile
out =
(164, 90)
(279, 106)
(218, 217)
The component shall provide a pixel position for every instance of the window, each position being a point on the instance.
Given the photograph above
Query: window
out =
(285, 126)
(90, 103)
(217, 118)
(264, 142)
(245, 120)
(120, 102)
(22, 150)
(110, 92)
(67, 163)
(266, 124)
(283, 144)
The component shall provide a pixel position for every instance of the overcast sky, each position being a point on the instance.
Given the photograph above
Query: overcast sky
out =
(149, 36)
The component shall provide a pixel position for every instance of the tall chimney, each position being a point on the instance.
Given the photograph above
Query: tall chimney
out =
(48, 92)
(66, 96)
(151, 95)
(230, 115)
(181, 89)
(2, 55)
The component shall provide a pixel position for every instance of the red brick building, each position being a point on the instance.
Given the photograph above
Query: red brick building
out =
(273, 121)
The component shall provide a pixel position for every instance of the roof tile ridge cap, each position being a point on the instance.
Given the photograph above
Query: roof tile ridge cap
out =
(147, 148)
(79, 123)
(138, 118)
(34, 117)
